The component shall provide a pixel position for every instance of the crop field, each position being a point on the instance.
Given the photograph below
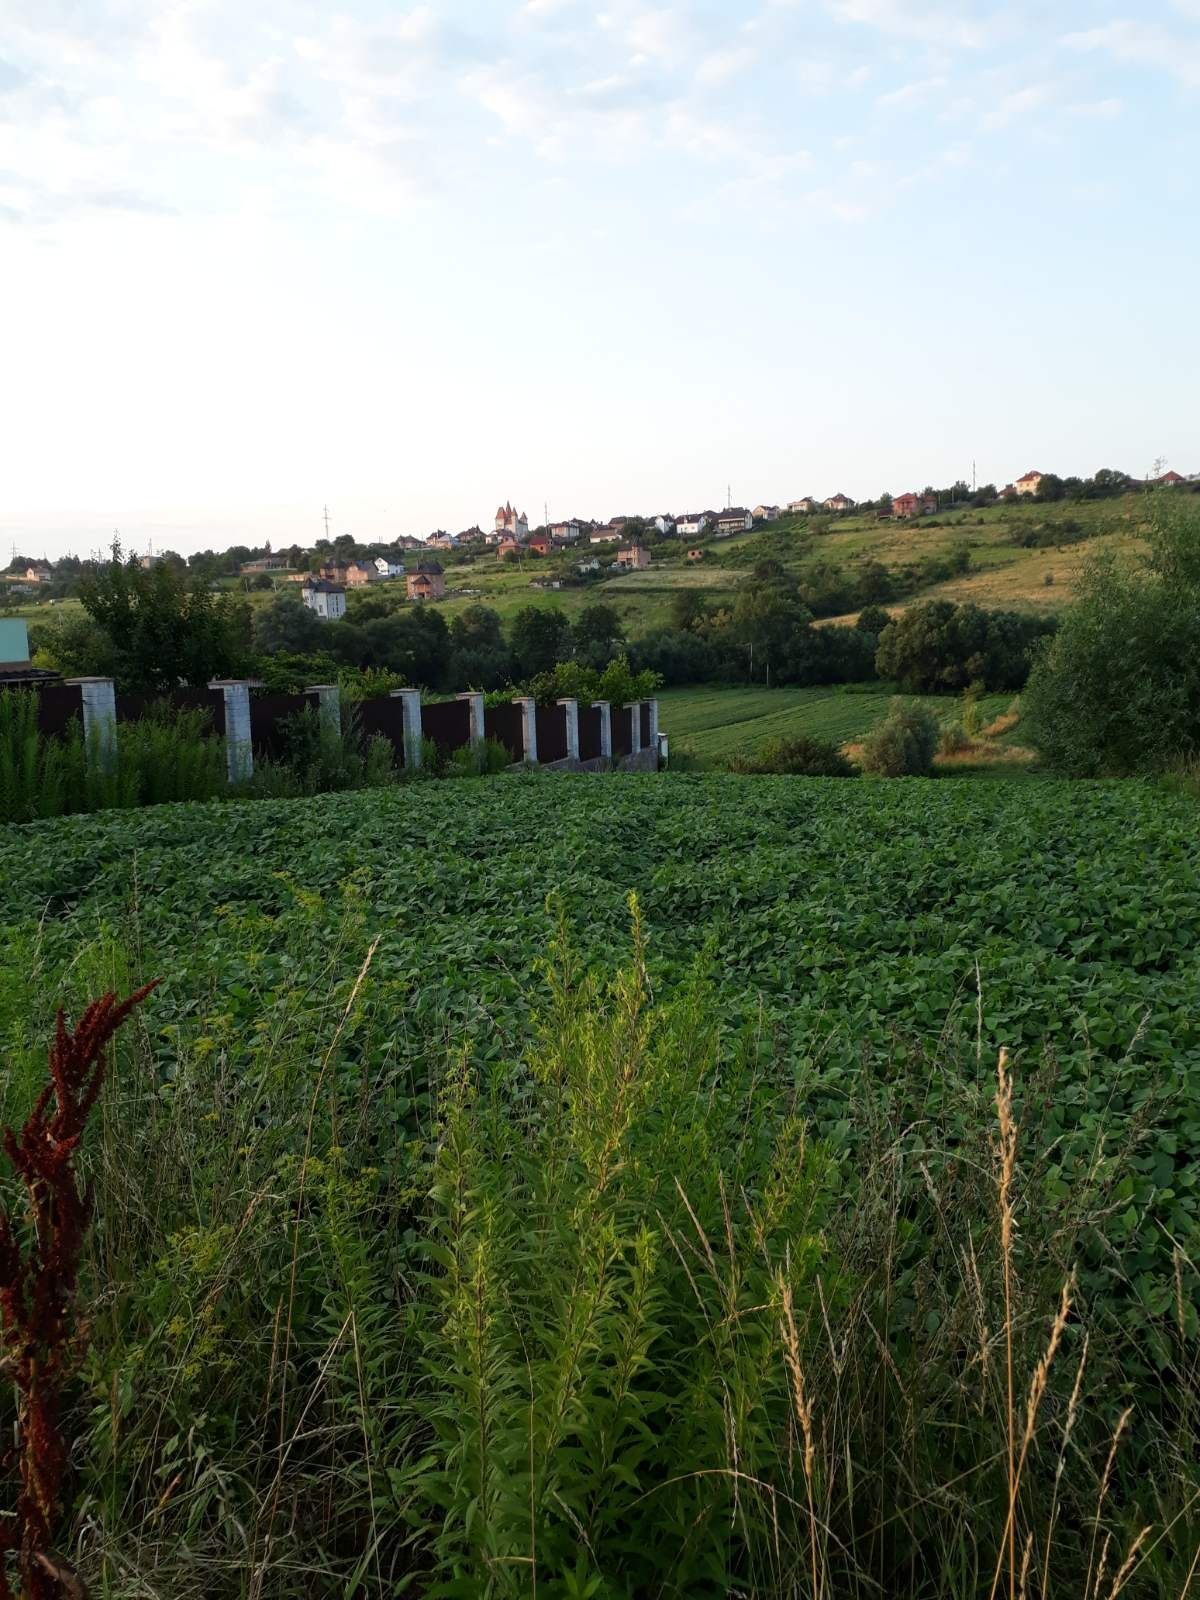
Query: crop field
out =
(708, 725)
(430, 1255)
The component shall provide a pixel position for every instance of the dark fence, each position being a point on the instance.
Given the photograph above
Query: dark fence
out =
(645, 739)
(384, 716)
(504, 725)
(551, 733)
(58, 705)
(590, 724)
(134, 707)
(447, 723)
(267, 712)
(622, 731)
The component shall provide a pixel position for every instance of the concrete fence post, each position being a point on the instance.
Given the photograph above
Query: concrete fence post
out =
(605, 710)
(98, 697)
(410, 700)
(635, 726)
(572, 710)
(239, 752)
(329, 704)
(474, 701)
(528, 727)
(654, 740)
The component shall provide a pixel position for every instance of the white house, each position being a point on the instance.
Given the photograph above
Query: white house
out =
(692, 522)
(387, 568)
(1030, 483)
(605, 534)
(566, 532)
(838, 502)
(805, 503)
(664, 524)
(324, 599)
(735, 519)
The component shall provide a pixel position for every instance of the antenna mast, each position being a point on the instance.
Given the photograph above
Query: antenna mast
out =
(327, 524)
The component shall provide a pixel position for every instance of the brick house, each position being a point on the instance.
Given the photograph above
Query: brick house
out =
(1030, 483)
(695, 555)
(634, 558)
(913, 505)
(541, 544)
(427, 582)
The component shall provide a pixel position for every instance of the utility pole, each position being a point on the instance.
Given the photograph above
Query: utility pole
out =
(326, 524)
(974, 483)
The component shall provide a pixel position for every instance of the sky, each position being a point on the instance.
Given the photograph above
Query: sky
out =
(600, 256)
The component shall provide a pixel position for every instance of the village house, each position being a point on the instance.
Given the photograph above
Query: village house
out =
(387, 568)
(838, 502)
(633, 558)
(734, 519)
(441, 540)
(37, 572)
(1030, 483)
(692, 522)
(766, 513)
(913, 505)
(508, 546)
(541, 544)
(566, 532)
(514, 523)
(427, 582)
(664, 524)
(267, 563)
(605, 534)
(360, 573)
(588, 566)
(806, 503)
(695, 555)
(334, 572)
(324, 599)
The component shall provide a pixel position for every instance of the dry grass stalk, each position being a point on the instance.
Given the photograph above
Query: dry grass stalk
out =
(804, 1416)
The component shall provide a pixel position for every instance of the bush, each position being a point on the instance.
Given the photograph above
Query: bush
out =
(903, 744)
(798, 757)
(954, 740)
(937, 645)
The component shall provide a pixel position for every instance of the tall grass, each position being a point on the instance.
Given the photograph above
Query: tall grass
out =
(602, 1319)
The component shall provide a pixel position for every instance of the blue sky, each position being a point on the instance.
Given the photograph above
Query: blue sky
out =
(610, 257)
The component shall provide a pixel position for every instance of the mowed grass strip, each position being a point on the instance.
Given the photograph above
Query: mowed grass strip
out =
(712, 724)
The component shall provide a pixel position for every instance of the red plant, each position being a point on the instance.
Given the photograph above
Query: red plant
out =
(39, 1343)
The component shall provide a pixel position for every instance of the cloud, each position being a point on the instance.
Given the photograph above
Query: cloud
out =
(909, 94)
(1099, 109)
(1016, 105)
(719, 66)
(911, 19)
(1143, 44)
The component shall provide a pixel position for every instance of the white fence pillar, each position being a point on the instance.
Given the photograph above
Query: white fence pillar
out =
(635, 726)
(410, 700)
(475, 703)
(572, 710)
(654, 724)
(98, 697)
(329, 704)
(239, 752)
(605, 710)
(528, 727)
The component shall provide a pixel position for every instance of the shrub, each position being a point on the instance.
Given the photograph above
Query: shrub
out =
(903, 744)
(799, 757)
(954, 740)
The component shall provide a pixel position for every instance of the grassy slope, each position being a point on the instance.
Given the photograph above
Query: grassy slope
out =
(1003, 573)
(710, 724)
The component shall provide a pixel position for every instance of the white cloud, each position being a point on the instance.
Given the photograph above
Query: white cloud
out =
(719, 66)
(912, 93)
(942, 26)
(1144, 44)
(1100, 109)
(1016, 105)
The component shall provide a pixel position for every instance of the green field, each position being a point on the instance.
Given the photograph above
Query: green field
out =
(427, 1258)
(708, 725)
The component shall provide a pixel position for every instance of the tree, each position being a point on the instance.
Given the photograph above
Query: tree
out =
(1051, 487)
(287, 625)
(538, 638)
(766, 616)
(937, 646)
(598, 635)
(479, 656)
(164, 627)
(1117, 691)
(903, 744)
(688, 608)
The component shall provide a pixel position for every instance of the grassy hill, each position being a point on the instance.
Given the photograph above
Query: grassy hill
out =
(1004, 570)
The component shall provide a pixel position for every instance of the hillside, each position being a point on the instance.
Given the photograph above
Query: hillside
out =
(1005, 570)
